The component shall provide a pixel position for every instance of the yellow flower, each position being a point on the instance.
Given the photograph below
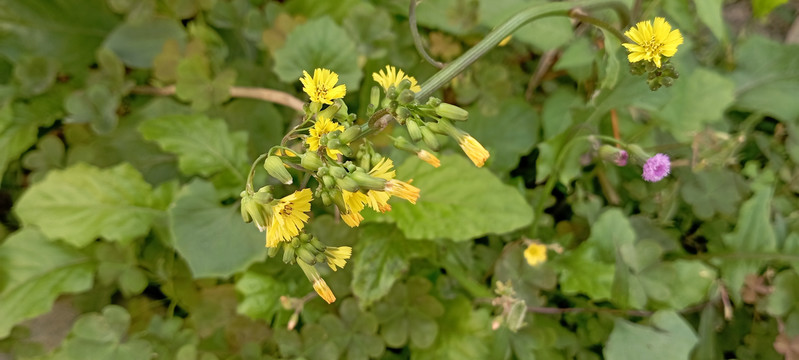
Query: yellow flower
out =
(392, 76)
(535, 254)
(474, 150)
(322, 126)
(354, 203)
(288, 217)
(319, 284)
(403, 190)
(378, 200)
(321, 87)
(429, 158)
(652, 41)
(337, 256)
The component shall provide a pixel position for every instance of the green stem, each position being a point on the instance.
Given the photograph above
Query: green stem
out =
(493, 38)
(250, 189)
(598, 23)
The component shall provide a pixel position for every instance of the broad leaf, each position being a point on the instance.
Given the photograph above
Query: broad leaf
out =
(710, 192)
(319, 43)
(138, 43)
(19, 124)
(82, 202)
(669, 338)
(35, 272)
(408, 314)
(450, 207)
(261, 295)
(767, 77)
(462, 335)
(381, 256)
(212, 238)
(699, 99)
(195, 84)
(97, 105)
(100, 336)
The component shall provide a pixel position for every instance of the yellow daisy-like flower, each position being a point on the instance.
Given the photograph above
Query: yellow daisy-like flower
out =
(288, 217)
(321, 87)
(651, 41)
(354, 203)
(392, 76)
(378, 200)
(474, 150)
(535, 254)
(428, 158)
(322, 126)
(337, 256)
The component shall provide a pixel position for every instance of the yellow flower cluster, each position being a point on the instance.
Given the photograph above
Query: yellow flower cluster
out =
(377, 199)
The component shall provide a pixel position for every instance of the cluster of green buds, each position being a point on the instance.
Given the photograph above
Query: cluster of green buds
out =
(656, 77)
(338, 164)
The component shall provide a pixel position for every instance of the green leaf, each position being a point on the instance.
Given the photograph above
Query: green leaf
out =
(261, 295)
(97, 105)
(527, 281)
(610, 232)
(544, 34)
(19, 124)
(82, 203)
(204, 146)
(459, 210)
(319, 43)
(35, 272)
(709, 11)
(710, 192)
(49, 154)
(556, 114)
(138, 43)
(767, 77)
(669, 338)
(354, 331)
(753, 234)
(409, 312)
(462, 335)
(99, 336)
(382, 255)
(698, 99)
(255, 117)
(761, 8)
(194, 83)
(786, 292)
(508, 135)
(582, 273)
(212, 238)
(35, 74)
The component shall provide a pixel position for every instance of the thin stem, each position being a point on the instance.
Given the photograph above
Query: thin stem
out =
(507, 28)
(269, 95)
(417, 40)
(249, 187)
(598, 23)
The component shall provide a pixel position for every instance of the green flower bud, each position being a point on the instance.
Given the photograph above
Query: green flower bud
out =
(321, 258)
(453, 112)
(365, 160)
(350, 134)
(326, 198)
(433, 101)
(667, 81)
(272, 251)
(414, 130)
(338, 171)
(638, 153)
(245, 214)
(436, 128)
(392, 92)
(403, 114)
(338, 199)
(430, 139)
(347, 183)
(275, 167)
(331, 110)
(295, 242)
(516, 315)
(333, 143)
(374, 99)
(350, 166)
(318, 244)
(289, 256)
(311, 161)
(366, 181)
(405, 84)
(314, 107)
(407, 96)
(328, 181)
(403, 144)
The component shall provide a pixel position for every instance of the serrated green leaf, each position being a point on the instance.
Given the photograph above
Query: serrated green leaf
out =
(82, 202)
(766, 77)
(261, 295)
(49, 154)
(195, 84)
(463, 334)
(784, 297)
(508, 135)
(19, 124)
(354, 332)
(212, 238)
(99, 336)
(319, 43)
(753, 234)
(204, 146)
(97, 105)
(669, 338)
(138, 43)
(698, 99)
(610, 232)
(582, 273)
(449, 207)
(35, 74)
(409, 313)
(710, 192)
(381, 256)
(35, 272)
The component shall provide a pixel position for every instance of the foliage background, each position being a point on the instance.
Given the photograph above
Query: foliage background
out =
(118, 201)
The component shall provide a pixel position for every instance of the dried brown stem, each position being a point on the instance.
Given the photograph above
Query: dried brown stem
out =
(269, 95)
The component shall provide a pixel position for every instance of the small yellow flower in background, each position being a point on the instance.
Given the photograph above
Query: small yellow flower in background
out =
(652, 41)
(337, 256)
(505, 41)
(535, 254)
(321, 87)
(288, 217)
(474, 150)
(322, 126)
(429, 158)
(392, 76)
(354, 202)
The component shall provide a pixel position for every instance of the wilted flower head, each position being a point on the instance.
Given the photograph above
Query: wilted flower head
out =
(652, 41)
(656, 168)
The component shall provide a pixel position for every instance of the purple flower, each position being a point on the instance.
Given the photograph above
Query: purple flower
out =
(656, 168)
(621, 158)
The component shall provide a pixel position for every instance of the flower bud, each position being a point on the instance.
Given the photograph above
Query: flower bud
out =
(515, 319)
(366, 181)
(407, 96)
(405, 84)
(328, 181)
(350, 134)
(433, 101)
(613, 154)
(245, 200)
(638, 153)
(365, 160)
(326, 198)
(275, 167)
(289, 256)
(435, 128)
(430, 139)
(338, 172)
(374, 99)
(391, 92)
(452, 112)
(272, 251)
(404, 145)
(330, 110)
(414, 130)
(403, 114)
(314, 107)
(318, 244)
(347, 183)
(305, 255)
(311, 161)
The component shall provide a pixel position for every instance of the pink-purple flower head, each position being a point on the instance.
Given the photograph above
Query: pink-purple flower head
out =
(657, 167)
(621, 158)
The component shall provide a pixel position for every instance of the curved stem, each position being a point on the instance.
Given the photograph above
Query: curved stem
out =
(417, 40)
(507, 28)
(250, 189)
